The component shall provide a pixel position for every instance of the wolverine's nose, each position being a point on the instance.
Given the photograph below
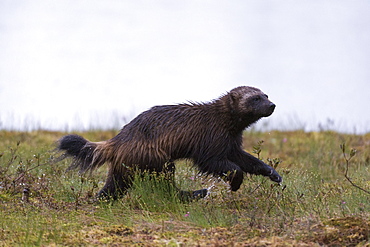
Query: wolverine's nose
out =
(272, 106)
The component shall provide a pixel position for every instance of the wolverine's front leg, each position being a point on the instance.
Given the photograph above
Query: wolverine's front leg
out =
(225, 169)
(250, 164)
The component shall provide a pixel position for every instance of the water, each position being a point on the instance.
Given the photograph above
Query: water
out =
(96, 64)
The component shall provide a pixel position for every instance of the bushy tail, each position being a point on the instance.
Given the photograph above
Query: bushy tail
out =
(86, 155)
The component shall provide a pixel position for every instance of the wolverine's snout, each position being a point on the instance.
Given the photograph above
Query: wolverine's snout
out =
(272, 107)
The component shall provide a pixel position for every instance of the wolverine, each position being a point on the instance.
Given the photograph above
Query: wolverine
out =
(208, 134)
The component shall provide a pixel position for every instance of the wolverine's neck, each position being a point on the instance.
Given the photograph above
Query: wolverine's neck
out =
(233, 120)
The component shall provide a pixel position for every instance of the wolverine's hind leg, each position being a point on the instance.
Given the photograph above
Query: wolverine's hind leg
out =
(119, 179)
(184, 195)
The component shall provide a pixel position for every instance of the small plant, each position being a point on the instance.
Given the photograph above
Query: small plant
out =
(347, 158)
(274, 162)
(258, 148)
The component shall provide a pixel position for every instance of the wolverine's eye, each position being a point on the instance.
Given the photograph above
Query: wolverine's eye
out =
(256, 99)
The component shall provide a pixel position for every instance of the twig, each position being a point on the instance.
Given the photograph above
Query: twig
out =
(351, 154)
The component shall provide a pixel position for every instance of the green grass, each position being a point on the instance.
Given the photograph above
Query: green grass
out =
(316, 204)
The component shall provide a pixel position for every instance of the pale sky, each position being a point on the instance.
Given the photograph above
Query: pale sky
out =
(80, 64)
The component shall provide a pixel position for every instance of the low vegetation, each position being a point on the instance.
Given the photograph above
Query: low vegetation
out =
(324, 199)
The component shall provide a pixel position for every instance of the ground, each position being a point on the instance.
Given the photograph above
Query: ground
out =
(43, 205)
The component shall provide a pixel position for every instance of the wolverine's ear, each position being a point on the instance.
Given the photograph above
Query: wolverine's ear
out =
(233, 101)
(233, 96)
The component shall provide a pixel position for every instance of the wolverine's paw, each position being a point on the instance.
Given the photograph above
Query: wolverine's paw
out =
(274, 176)
(188, 196)
(200, 193)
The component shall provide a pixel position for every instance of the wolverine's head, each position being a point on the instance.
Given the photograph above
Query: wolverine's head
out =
(251, 101)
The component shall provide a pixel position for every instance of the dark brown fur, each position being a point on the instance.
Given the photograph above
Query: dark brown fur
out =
(208, 134)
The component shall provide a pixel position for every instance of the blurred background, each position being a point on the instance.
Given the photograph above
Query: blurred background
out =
(81, 64)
